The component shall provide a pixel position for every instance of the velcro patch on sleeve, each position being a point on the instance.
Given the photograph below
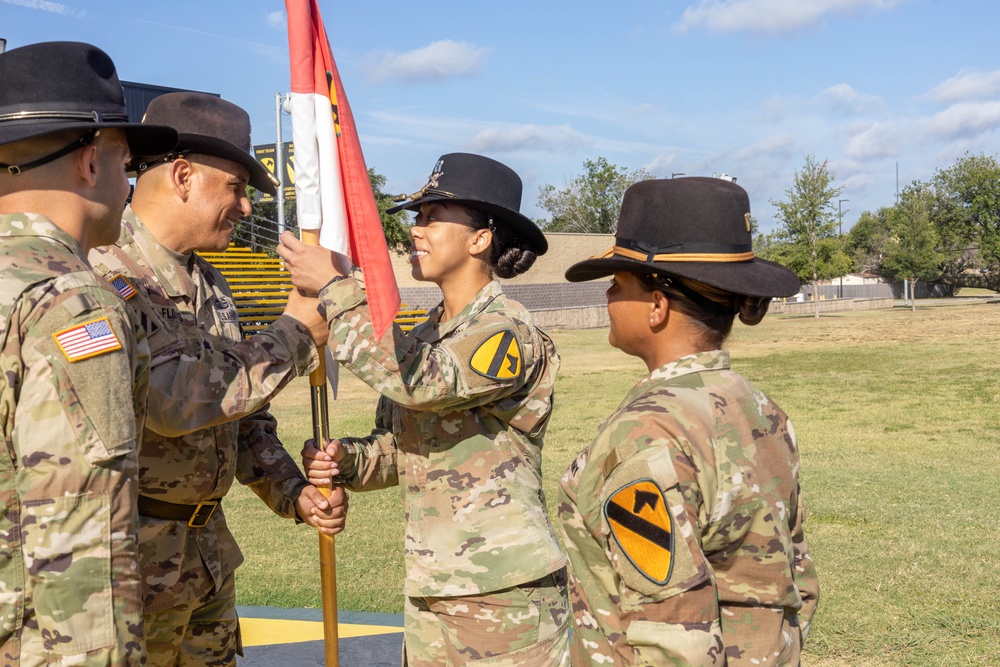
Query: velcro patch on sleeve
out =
(498, 357)
(123, 287)
(86, 340)
(643, 527)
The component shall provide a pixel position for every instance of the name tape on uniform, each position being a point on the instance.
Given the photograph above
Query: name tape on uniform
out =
(498, 357)
(642, 525)
(87, 340)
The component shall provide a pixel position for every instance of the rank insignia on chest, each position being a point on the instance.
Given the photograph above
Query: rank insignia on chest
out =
(641, 523)
(123, 287)
(87, 340)
(498, 357)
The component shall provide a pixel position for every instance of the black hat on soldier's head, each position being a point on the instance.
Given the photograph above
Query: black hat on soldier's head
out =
(483, 184)
(56, 86)
(208, 125)
(697, 228)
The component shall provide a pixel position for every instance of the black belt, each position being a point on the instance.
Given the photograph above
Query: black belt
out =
(196, 516)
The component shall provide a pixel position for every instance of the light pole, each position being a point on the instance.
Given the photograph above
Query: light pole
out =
(677, 173)
(840, 232)
(279, 163)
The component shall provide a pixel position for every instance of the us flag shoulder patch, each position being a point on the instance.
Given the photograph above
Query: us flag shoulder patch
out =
(643, 527)
(123, 287)
(87, 340)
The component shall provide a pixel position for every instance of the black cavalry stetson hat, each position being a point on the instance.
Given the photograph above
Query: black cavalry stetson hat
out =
(697, 228)
(208, 125)
(483, 184)
(55, 86)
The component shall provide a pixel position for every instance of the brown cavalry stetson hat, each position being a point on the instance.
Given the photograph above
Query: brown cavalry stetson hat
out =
(208, 125)
(55, 86)
(483, 184)
(697, 228)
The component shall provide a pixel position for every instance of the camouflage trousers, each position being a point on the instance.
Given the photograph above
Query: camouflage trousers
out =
(523, 626)
(200, 633)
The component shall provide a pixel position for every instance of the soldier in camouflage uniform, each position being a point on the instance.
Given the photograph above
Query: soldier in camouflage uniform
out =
(209, 389)
(466, 397)
(73, 368)
(682, 520)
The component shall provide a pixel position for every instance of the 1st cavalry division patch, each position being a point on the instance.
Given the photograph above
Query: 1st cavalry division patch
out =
(498, 357)
(87, 340)
(642, 525)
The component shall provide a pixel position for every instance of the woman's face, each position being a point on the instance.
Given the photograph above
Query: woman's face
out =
(629, 309)
(440, 236)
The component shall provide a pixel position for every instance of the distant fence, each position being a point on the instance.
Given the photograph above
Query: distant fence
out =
(829, 305)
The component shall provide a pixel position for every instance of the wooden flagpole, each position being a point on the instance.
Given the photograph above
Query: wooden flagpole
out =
(327, 547)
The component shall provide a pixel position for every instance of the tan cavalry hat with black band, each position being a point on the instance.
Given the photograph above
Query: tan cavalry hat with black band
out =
(697, 228)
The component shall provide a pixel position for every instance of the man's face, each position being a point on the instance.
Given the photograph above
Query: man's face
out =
(218, 200)
(113, 187)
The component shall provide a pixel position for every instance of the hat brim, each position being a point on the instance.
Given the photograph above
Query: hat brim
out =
(756, 277)
(142, 139)
(259, 177)
(523, 226)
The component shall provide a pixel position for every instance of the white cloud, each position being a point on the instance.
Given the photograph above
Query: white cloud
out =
(275, 19)
(526, 137)
(967, 86)
(768, 16)
(877, 140)
(964, 120)
(645, 107)
(51, 7)
(781, 145)
(438, 60)
(842, 97)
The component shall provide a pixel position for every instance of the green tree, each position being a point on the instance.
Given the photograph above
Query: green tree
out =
(912, 253)
(868, 239)
(395, 225)
(811, 247)
(966, 214)
(589, 204)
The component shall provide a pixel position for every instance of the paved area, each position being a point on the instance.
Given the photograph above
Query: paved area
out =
(275, 637)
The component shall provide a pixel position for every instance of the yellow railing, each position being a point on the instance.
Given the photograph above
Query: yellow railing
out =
(260, 288)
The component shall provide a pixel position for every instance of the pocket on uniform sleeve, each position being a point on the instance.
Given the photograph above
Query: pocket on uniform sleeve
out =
(68, 544)
(96, 395)
(677, 643)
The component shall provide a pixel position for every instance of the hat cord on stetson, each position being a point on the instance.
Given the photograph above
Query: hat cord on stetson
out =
(680, 252)
(94, 116)
(85, 140)
(422, 192)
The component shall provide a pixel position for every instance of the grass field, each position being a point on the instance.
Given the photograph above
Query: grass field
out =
(897, 418)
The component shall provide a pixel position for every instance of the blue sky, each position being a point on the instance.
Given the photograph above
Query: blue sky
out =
(745, 87)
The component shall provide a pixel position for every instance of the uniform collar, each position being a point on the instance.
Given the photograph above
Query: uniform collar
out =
(36, 224)
(171, 268)
(716, 360)
(433, 330)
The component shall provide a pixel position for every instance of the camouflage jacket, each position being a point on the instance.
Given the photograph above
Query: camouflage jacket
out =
(459, 428)
(73, 374)
(207, 412)
(683, 526)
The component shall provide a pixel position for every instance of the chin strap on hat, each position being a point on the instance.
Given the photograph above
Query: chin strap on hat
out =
(85, 140)
(169, 157)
